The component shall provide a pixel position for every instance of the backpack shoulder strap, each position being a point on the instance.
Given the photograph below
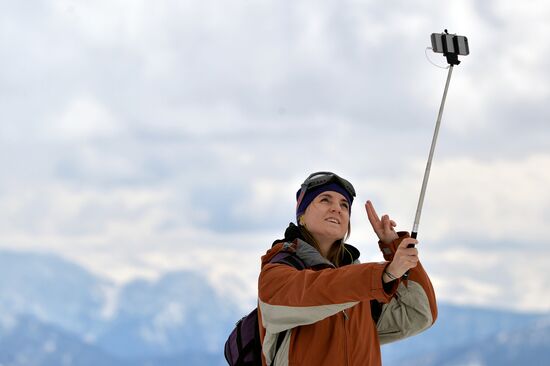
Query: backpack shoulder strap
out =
(290, 259)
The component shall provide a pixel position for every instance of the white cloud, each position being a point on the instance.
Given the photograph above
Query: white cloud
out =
(499, 200)
(268, 199)
(136, 133)
(510, 278)
(105, 231)
(103, 22)
(84, 118)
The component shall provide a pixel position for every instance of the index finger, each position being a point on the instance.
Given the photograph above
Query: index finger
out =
(371, 213)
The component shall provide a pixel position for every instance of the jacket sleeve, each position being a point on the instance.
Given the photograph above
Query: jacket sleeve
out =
(412, 310)
(289, 297)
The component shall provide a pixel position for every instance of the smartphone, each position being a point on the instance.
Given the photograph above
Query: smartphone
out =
(450, 43)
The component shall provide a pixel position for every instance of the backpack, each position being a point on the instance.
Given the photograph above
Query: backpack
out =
(243, 346)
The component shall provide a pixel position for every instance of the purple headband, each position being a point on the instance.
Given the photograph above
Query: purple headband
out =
(310, 195)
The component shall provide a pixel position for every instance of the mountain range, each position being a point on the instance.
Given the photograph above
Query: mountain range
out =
(53, 312)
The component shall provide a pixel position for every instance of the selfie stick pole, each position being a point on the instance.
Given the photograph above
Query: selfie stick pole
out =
(430, 157)
(452, 59)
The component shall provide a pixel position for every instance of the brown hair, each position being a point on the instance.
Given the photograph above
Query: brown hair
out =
(336, 252)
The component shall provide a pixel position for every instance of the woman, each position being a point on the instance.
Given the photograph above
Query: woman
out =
(337, 311)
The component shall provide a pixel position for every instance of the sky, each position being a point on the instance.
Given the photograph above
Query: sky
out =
(141, 137)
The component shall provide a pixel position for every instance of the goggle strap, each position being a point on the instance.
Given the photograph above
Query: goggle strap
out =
(301, 196)
(325, 177)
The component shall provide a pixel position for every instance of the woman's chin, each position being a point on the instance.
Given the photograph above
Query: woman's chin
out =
(334, 235)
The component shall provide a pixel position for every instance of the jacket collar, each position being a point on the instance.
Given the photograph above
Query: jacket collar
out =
(308, 254)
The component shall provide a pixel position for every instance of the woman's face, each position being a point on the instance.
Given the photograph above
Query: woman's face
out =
(327, 217)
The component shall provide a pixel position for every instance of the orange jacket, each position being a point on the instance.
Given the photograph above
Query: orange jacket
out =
(328, 312)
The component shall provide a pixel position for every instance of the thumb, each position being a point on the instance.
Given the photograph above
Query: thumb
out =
(408, 241)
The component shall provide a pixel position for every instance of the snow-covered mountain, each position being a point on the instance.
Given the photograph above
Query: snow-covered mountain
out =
(178, 313)
(55, 313)
(529, 345)
(463, 331)
(43, 297)
(52, 290)
(26, 341)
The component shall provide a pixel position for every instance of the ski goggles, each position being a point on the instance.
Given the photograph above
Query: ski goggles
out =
(321, 178)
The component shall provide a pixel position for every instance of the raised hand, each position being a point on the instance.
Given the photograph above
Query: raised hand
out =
(384, 228)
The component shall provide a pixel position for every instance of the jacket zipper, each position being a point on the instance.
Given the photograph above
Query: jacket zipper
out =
(346, 317)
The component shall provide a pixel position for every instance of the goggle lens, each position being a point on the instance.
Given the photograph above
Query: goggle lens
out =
(320, 178)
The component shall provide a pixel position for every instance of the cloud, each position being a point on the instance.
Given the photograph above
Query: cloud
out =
(84, 118)
(497, 200)
(489, 276)
(140, 138)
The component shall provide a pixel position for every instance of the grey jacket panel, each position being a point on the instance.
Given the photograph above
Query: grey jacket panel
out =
(407, 314)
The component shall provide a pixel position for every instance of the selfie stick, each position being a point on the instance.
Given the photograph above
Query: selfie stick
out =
(452, 59)
(430, 157)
